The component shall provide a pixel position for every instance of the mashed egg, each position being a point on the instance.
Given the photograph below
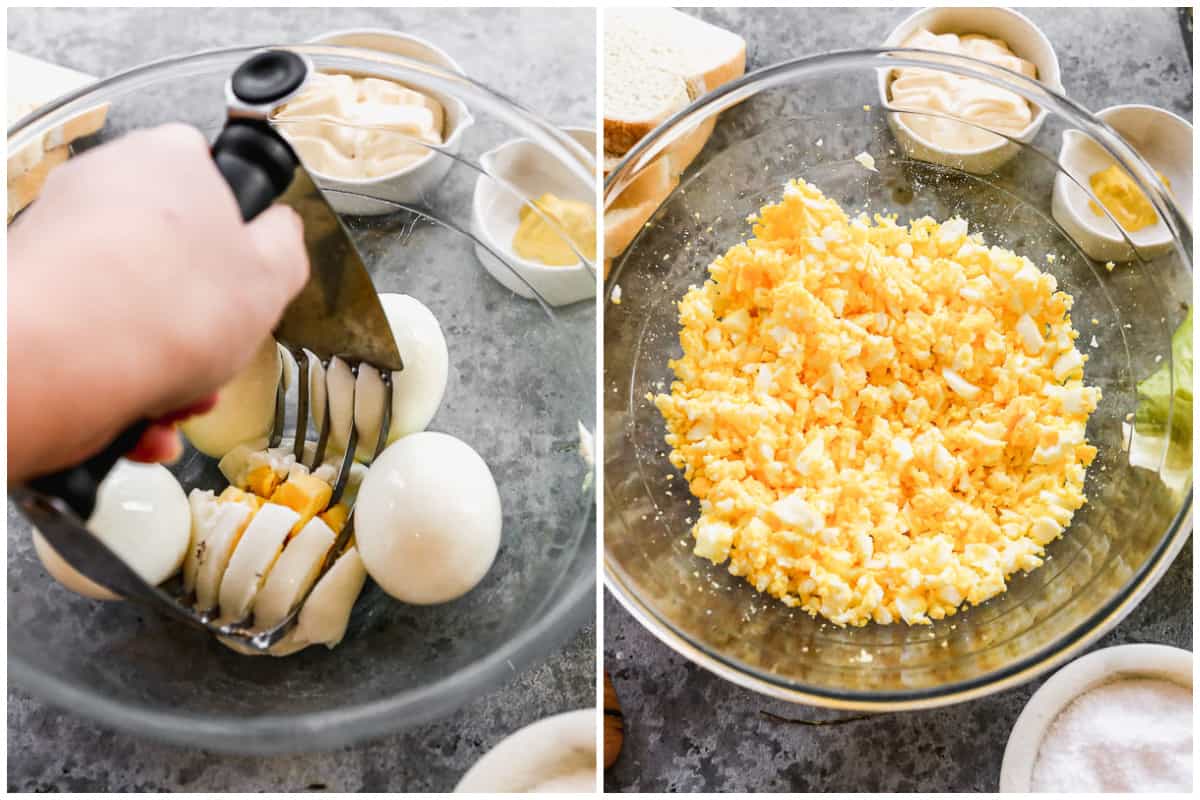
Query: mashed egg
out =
(880, 422)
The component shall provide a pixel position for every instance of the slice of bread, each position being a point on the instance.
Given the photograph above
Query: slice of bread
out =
(610, 162)
(656, 61)
(31, 84)
(637, 98)
(23, 188)
(625, 217)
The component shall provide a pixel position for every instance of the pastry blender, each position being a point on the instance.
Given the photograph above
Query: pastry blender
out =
(337, 313)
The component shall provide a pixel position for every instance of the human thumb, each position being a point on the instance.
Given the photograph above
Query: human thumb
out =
(278, 238)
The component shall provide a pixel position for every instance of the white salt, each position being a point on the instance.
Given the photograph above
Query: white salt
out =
(1131, 735)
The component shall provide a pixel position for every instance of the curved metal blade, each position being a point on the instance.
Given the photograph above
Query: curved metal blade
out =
(89, 556)
(338, 312)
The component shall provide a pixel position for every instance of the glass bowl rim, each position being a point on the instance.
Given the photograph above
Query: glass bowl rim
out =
(1079, 636)
(521, 119)
(323, 730)
(1046, 99)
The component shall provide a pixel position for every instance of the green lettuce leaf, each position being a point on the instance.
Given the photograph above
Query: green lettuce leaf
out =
(1155, 394)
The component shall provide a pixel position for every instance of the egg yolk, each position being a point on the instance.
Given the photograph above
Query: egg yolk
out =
(304, 493)
(335, 517)
(881, 422)
(1123, 199)
(262, 481)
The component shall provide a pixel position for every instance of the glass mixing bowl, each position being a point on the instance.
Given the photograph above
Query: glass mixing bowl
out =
(520, 384)
(809, 118)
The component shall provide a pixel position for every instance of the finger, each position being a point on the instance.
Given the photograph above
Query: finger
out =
(201, 406)
(278, 238)
(184, 139)
(160, 444)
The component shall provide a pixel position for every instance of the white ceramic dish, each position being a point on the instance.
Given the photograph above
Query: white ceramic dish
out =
(410, 184)
(495, 215)
(556, 754)
(1082, 675)
(1163, 140)
(1023, 38)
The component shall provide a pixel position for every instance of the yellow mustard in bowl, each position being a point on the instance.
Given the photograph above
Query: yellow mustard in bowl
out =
(540, 238)
(1123, 199)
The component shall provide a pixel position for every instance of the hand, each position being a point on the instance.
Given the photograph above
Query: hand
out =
(135, 290)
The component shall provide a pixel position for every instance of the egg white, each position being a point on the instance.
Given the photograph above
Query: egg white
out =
(253, 558)
(142, 515)
(216, 528)
(293, 572)
(428, 519)
(325, 614)
(245, 409)
(417, 390)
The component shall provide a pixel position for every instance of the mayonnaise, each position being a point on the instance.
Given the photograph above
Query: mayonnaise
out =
(968, 99)
(353, 128)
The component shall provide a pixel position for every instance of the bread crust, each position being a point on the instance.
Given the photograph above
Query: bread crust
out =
(626, 216)
(24, 188)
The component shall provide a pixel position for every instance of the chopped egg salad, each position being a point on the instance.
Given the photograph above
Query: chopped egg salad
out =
(881, 423)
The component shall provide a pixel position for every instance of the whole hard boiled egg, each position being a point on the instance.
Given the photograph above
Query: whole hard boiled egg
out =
(245, 409)
(417, 390)
(428, 519)
(142, 515)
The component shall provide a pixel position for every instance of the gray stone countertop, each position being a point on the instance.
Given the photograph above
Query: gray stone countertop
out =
(555, 76)
(686, 729)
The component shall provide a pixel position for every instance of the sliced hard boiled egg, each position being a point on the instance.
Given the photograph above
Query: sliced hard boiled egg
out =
(317, 393)
(252, 559)
(245, 408)
(215, 534)
(293, 573)
(142, 516)
(417, 390)
(334, 386)
(257, 469)
(325, 614)
(236, 464)
(428, 519)
(369, 399)
(209, 518)
(291, 369)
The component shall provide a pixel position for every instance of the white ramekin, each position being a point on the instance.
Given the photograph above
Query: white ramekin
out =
(535, 755)
(1164, 140)
(1022, 37)
(495, 217)
(410, 184)
(1082, 675)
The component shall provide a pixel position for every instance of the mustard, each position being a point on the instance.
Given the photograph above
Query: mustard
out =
(537, 240)
(1123, 199)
